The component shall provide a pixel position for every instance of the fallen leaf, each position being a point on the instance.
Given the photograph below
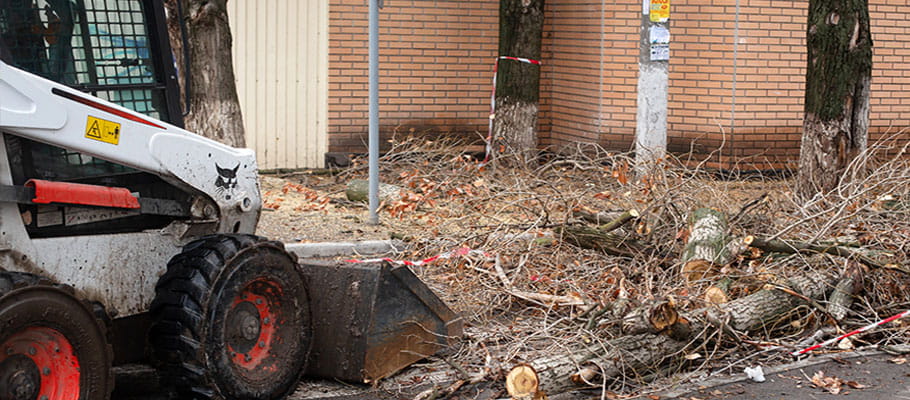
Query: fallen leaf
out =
(830, 383)
(855, 384)
(899, 361)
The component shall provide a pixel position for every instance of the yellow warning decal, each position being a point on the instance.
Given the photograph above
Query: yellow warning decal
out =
(102, 130)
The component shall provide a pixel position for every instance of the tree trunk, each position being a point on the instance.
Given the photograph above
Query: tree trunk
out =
(518, 83)
(214, 109)
(839, 72)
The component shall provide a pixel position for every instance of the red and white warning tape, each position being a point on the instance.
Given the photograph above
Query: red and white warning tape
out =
(489, 148)
(860, 330)
(459, 252)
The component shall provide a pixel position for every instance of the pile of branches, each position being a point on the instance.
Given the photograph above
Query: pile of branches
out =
(601, 276)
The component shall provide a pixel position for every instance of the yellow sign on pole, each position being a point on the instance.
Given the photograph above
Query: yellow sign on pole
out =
(660, 10)
(102, 130)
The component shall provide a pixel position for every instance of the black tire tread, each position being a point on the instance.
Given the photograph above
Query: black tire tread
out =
(179, 310)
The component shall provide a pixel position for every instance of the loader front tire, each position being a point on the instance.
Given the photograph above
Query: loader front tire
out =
(232, 320)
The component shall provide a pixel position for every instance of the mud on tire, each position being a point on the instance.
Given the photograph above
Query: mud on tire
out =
(52, 345)
(232, 320)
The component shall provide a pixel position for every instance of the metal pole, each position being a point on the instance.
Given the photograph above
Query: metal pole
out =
(374, 111)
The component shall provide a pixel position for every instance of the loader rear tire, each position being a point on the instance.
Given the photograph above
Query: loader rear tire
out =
(232, 320)
(52, 345)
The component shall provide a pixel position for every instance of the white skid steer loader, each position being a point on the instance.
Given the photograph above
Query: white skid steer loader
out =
(125, 239)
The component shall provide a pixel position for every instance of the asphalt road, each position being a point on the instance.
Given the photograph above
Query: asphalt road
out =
(867, 375)
(872, 376)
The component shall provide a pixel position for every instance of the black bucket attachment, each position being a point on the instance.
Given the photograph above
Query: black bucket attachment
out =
(370, 320)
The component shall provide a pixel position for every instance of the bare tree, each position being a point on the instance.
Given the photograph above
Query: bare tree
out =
(518, 83)
(838, 76)
(214, 110)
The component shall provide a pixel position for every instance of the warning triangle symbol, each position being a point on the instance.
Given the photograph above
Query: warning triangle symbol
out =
(93, 131)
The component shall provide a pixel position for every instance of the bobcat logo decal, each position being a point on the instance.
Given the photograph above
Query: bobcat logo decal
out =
(227, 180)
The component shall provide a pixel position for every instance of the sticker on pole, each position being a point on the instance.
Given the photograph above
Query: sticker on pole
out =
(660, 10)
(102, 130)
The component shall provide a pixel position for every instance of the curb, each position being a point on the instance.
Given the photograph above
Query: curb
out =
(335, 249)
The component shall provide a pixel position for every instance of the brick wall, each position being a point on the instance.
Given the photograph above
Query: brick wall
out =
(764, 130)
(890, 70)
(762, 121)
(590, 72)
(589, 75)
(436, 60)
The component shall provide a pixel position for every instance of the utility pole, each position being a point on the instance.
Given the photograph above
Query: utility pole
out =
(653, 77)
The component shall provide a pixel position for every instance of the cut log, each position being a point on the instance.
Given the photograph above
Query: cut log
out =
(522, 383)
(755, 311)
(709, 246)
(850, 284)
(635, 354)
(719, 291)
(623, 355)
(654, 317)
(609, 243)
(792, 247)
(359, 190)
(608, 222)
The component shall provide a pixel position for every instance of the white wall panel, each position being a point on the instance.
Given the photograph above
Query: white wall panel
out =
(281, 63)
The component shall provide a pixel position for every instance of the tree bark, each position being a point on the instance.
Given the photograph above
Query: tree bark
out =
(838, 76)
(518, 83)
(214, 109)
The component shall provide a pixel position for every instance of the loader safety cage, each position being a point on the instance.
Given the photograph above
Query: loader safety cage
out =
(113, 49)
(117, 50)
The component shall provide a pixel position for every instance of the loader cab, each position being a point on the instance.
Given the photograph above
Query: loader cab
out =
(116, 50)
